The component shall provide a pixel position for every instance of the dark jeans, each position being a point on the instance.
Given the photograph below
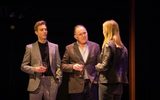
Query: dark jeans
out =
(90, 92)
(110, 91)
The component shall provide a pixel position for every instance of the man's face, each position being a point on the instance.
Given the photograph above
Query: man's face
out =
(42, 32)
(81, 35)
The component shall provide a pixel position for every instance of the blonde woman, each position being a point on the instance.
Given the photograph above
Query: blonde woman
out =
(113, 65)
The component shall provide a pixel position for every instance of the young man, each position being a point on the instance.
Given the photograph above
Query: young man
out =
(42, 63)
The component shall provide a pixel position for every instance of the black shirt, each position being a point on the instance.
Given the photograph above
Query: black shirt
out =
(44, 50)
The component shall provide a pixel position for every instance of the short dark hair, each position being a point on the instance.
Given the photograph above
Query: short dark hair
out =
(38, 23)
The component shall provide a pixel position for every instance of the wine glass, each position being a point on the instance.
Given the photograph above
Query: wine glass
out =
(44, 64)
(81, 73)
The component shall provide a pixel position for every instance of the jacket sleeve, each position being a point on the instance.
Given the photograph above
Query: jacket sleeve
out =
(67, 66)
(26, 64)
(59, 73)
(105, 59)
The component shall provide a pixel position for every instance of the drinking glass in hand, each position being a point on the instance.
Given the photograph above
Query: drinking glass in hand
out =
(44, 64)
(81, 72)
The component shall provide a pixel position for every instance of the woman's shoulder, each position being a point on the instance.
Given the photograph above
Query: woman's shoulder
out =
(111, 44)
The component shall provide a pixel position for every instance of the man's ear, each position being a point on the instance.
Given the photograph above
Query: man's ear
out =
(36, 32)
(75, 37)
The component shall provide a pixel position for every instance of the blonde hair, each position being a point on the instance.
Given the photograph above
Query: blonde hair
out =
(111, 32)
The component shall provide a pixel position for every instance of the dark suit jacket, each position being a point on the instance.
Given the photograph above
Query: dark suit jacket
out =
(113, 67)
(32, 58)
(71, 56)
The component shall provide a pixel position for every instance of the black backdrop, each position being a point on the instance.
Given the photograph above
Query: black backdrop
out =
(17, 30)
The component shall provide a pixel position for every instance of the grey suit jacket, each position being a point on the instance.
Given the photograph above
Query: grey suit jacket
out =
(71, 56)
(32, 58)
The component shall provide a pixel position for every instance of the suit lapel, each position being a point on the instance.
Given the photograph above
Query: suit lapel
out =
(89, 50)
(50, 52)
(37, 52)
(77, 52)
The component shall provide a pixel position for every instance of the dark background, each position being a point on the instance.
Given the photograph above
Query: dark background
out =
(16, 28)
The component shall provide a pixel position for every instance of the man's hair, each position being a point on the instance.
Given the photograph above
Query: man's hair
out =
(38, 23)
(77, 26)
